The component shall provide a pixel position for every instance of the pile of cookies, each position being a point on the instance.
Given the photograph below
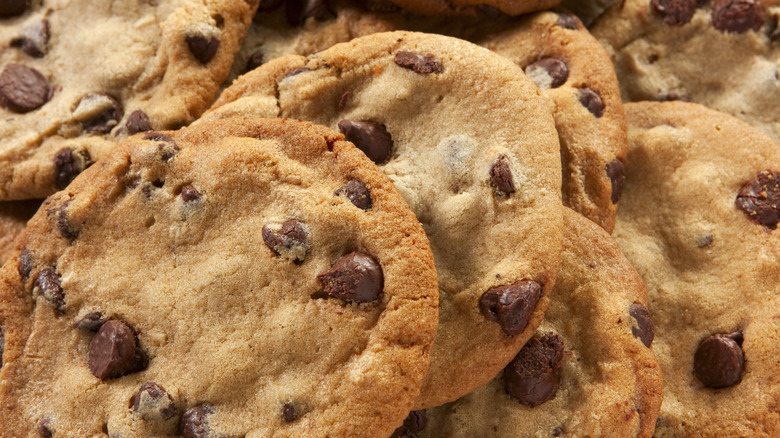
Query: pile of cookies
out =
(339, 218)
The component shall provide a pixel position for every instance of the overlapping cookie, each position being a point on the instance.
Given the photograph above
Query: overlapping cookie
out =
(76, 76)
(472, 147)
(246, 277)
(13, 218)
(699, 220)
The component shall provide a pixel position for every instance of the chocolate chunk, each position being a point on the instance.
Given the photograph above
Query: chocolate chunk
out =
(9, 8)
(617, 177)
(557, 431)
(190, 194)
(64, 226)
(645, 328)
(290, 242)
(91, 322)
(501, 176)
(370, 137)
(25, 264)
(202, 48)
(759, 199)
(422, 64)
(48, 285)
(153, 403)
(2, 346)
(591, 100)
(533, 375)
(357, 193)
(719, 360)
(511, 305)
(344, 99)
(34, 39)
(68, 164)
(354, 277)
(414, 423)
(548, 73)
(98, 113)
(255, 60)
(167, 146)
(44, 428)
(288, 413)
(568, 21)
(195, 422)
(114, 351)
(674, 12)
(737, 16)
(137, 122)
(22, 89)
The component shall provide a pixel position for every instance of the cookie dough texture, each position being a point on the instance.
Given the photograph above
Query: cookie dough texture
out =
(13, 218)
(86, 74)
(163, 241)
(681, 54)
(709, 267)
(452, 110)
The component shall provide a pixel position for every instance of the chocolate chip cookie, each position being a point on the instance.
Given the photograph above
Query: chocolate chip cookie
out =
(474, 7)
(77, 76)
(699, 221)
(246, 277)
(13, 218)
(472, 147)
(589, 370)
(724, 54)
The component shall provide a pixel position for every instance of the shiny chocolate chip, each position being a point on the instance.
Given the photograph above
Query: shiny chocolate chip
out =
(759, 199)
(501, 176)
(288, 413)
(22, 89)
(98, 113)
(2, 346)
(591, 100)
(370, 137)
(418, 63)
(195, 422)
(738, 16)
(190, 194)
(114, 351)
(644, 329)
(26, 264)
(617, 177)
(34, 39)
(719, 360)
(48, 285)
(45, 428)
(167, 145)
(202, 48)
(532, 377)
(568, 21)
(674, 12)
(153, 403)
(255, 60)
(137, 122)
(291, 241)
(91, 322)
(414, 423)
(548, 73)
(10, 8)
(68, 164)
(63, 223)
(511, 305)
(357, 193)
(354, 277)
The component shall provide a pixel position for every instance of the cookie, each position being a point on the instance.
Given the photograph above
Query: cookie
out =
(724, 54)
(247, 277)
(709, 252)
(568, 65)
(13, 218)
(473, 7)
(76, 76)
(472, 147)
(588, 371)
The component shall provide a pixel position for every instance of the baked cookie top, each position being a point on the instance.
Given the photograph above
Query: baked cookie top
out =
(13, 218)
(245, 277)
(724, 54)
(471, 145)
(709, 252)
(588, 371)
(77, 76)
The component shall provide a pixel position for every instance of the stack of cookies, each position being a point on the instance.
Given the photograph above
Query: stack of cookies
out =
(289, 218)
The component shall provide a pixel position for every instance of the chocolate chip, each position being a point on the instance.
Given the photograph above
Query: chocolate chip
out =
(737, 15)
(591, 100)
(202, 48)
(533, 375)
(674, 12)
(354, 277)
(759, 199)
(255, 60)
(288, 413)
(9, 8)
(297, 71)
(773, 31)
(645, 328)
(357, 193)
(344, 99)
(548, 73)
(617, 177)
(370, 137)
(671, 96)
(22, 89)
(2, 346)
(167, 146)
(422, 64)
(511, 305)
(98, 113)
(68, 164)
(114, 351)
(64, 226)
(34, 40)
(290, 242)
(195, 422)
(153, 403)
(91, 322)
(568, 21)
(557, 431)
(719, 360)
(137, 122)
(501, 176)
(48, 285)
(190, 193)
(414, 423)
(26, 264)
(44, 428)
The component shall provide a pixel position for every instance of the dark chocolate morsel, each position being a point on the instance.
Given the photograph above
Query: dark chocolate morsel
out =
(9, 8)
(68, 164)
(511, 305)
(759, 199)
(645, 328)
(64, 226)
(719, 360)
(195, 422)
(91, 322)
(554, 68)
(114, 351)
(153, 403)
(44, 428)
(2, 346)
(255, 60)
(737, 16)
(354, 277)
(422, 64)
(291, 241)
(167, 146)
(137, 122)
(26, 264)
(370, 137)
(22, 89)
(532, 377)
(48, 285)
(568, 21)
(288, 413)
(357, 193)
(591, 100)
(675, 12)
(34, 40)
(104, 112)
(190, 193)
(617, 177)
(414, 423)
(202, 48)
(501, 176)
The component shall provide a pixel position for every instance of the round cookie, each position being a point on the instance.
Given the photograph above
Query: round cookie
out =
(724, 54)
(589, 370)
(13, 218)
(472, 147)
(246, 277)
(76, 76)
(698, 220)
